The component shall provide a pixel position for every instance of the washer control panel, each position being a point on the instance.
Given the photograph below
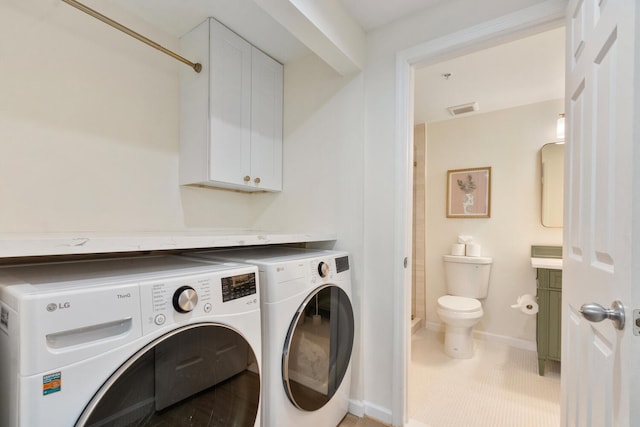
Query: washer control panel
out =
(163, 300)
(239, 286)
(178, 299)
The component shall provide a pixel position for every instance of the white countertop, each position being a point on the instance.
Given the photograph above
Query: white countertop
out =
(40, 244)
(553, 263)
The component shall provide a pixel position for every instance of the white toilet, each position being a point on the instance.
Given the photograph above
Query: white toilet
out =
(467, 278)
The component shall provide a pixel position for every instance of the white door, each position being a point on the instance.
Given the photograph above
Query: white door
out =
(600, 363)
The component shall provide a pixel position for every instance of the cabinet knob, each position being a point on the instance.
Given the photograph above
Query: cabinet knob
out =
(257, 180)
(247, 178)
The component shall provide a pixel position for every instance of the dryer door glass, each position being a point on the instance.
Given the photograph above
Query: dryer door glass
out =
(318, 348)
(200, 375)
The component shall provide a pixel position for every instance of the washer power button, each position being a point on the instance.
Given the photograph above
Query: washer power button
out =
(159, 319)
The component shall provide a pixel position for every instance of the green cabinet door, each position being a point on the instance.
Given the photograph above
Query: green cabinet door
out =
(548, 333)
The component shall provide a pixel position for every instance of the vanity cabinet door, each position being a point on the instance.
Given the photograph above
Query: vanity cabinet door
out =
(555, 319)
(549, 317)
(542, 326)
(555, 279)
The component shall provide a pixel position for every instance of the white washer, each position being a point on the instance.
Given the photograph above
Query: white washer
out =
(158, 340)
(308, 333)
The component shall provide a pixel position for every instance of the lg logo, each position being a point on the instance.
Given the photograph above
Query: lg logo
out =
(54, 306)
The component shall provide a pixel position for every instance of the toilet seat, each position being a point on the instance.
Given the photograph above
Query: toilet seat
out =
(459, 304)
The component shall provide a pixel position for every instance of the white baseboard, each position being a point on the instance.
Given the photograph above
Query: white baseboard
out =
(503, 339)
(416, 323)
(434, 326)
(356, 407)
(510, 341)
(374, 411)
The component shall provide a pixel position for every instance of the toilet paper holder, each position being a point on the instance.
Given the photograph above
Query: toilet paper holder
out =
(527, 304)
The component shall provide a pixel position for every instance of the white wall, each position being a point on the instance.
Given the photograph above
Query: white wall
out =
(509, 141)
(89, 128)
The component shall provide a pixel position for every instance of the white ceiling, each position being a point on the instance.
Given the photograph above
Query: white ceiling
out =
(521, 72)
(371, 14)
(244, 17)
(517, 73)
(249, 20)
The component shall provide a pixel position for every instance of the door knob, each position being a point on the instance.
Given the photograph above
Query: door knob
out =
(596, 313)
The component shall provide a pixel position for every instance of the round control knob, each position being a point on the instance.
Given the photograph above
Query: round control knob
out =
(185, 299)
(323, 269)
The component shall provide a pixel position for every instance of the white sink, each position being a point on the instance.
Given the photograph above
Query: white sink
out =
(553, 263)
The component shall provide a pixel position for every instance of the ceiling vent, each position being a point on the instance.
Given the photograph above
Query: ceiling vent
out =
(463, 109)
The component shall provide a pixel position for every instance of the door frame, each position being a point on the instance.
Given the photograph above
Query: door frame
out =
(544, 16)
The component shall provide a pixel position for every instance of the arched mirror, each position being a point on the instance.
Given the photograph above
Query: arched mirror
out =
(552, 157)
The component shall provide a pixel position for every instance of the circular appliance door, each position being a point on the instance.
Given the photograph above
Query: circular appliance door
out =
(199, 375)
(318, 348)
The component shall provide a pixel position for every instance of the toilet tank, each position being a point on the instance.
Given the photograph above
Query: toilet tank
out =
(467, 276)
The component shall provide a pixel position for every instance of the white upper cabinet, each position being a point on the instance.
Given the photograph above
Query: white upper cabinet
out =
(230, 113)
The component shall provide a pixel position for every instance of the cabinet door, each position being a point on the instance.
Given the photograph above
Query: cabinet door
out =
(229, 106)
(542, 331)
(555, 322)
(266, 122)
(555, 279)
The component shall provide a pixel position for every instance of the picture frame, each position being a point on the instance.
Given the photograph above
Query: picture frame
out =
(469, 193)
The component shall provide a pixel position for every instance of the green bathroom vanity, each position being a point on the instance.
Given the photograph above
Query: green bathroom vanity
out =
(547, 260)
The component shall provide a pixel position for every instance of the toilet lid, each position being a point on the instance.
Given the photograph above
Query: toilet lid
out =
(450, 302)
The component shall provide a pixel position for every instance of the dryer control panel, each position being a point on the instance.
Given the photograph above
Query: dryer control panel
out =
(327, 269)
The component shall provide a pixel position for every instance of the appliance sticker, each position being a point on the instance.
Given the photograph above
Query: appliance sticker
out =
(51, 383)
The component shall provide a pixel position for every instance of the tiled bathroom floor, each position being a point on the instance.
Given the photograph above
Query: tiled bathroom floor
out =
(498, 387)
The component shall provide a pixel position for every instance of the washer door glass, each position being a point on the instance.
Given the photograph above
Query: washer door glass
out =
(318, 348)
(199, 375)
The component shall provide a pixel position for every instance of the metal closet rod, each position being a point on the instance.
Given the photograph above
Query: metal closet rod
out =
(197, 67)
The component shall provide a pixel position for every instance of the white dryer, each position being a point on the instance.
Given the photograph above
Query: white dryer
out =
(308, 333)
(157, 340)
